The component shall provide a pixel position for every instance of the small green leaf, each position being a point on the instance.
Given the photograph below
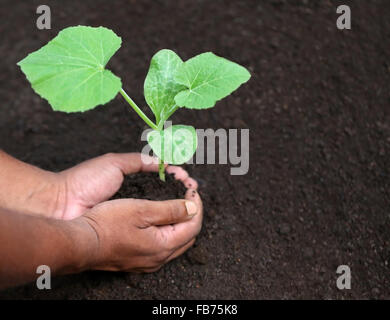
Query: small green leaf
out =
(175, 145)
(208, 78)
(70, 70)
(160, 87)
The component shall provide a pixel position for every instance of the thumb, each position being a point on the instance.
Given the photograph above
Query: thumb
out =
(157, 213)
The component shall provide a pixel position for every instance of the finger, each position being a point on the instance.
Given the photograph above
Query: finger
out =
(182, 175)
(134, 162)
(178, 252)
(178, 172)
(158, 213)
(179, 234)
(181, 250)
(191, 183)
(194, 196)
(145, 270)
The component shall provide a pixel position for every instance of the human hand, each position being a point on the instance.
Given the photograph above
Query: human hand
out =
(98, 179)
(125, 234)
(141, 235)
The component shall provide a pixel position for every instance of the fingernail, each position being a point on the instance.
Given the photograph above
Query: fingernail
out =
(191, 208)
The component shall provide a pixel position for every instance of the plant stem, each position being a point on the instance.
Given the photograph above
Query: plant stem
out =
(150, 123)
(161, 170)
(137, 109)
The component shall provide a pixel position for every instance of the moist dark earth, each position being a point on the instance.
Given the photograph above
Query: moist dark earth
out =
(148, 186)
(317, 192)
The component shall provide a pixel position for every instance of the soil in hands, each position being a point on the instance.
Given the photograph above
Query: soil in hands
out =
(149, 186)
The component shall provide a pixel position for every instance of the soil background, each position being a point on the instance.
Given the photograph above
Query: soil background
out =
(317, 192)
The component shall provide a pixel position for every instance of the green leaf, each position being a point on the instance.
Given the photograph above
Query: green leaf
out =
(175, 145)
(160, 87)
(70, 70)
(208, 78)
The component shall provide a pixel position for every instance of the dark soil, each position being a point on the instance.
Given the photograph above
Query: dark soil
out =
(149, 186)
(317, 192)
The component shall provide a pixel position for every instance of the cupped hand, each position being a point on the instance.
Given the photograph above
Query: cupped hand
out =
(96, 180)
(142, 235)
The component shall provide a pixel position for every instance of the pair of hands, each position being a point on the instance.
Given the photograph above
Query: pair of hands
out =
(124, 234)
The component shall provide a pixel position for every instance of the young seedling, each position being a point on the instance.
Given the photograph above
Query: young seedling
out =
(69, 72)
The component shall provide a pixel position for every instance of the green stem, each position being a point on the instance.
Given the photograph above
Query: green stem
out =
(161, 170)
(137, 109)
(150, 123)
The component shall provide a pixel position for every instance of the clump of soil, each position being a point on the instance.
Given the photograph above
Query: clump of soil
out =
(149, 186)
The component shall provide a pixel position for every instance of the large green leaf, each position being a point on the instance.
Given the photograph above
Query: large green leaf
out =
(160, 87)
(70, 70)
(175, 145)
(208, 78)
